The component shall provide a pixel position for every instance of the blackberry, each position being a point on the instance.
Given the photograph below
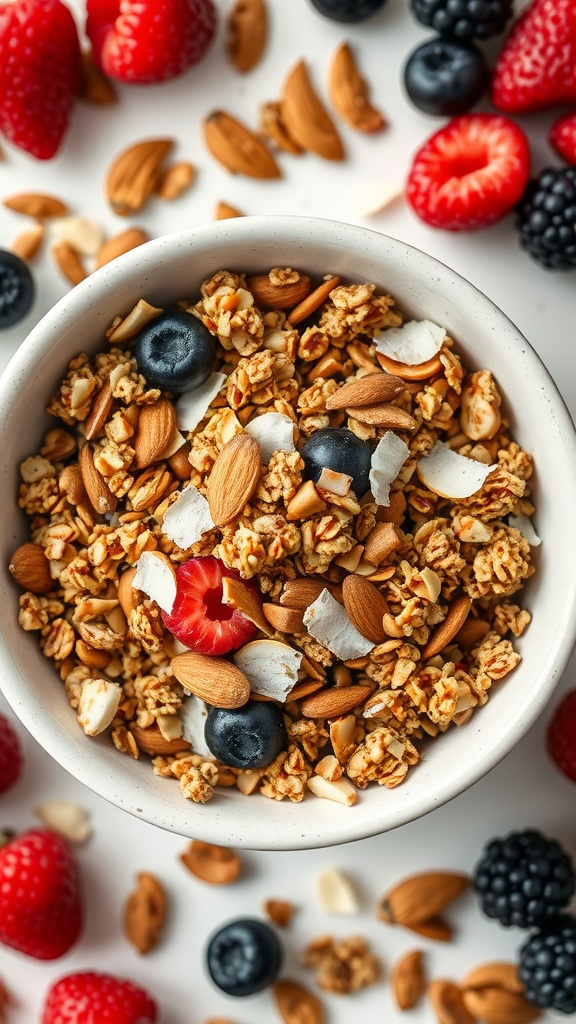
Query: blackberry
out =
(348, 10)
(464, 19)
(547, 218)
(524, 879)
(548, 965)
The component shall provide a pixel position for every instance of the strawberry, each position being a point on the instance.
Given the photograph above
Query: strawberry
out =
(561, 738)
(40, 907)
(199, 618)
(141, 41)
(470, 173)
(91, 998)
(39, 73)
(563, 138)
(537, 65)
(10, 755)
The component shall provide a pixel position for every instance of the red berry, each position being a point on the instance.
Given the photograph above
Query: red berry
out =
(537, 66)
(39, 73)
(10, 755)
(91, 998)
(563, 138)
(561, 739)
(470, 173)
(40, 907)
(140, 41)
(199, 618)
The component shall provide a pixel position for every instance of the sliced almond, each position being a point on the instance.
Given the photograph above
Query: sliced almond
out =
(242, 597)
(381, 542)
(272, 127)
(224, 211)
(499, 974)
(233, 478)
(340, 791)
(306, 118)
(334, 702)
(30, 568)
(36, 204)
(313, 302)
(119, 244)
(349, 93)
(383, 415)
(99, 411)
(421, 897)
(278, 296)
(151, 741)
(175, 180)
(247, 33)
(214, 864)
(447, 630)
(140, 315)
(305, 688)
(156, 424)
(371, 389)
(95, 87)
(145, 913)
(214, 680)
(305, 503)
(99, 494)
(285, 620)
(296, 1004)
(499, 1006)
(28, 242)
(448, 1003)
(133, 175)
(409, 979)
(342, 737)
(421, 371)
(69, 261)
(365, 606)
(237, 148)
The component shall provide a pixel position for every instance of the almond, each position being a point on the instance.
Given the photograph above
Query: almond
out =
(99, 411)
(95, 87)
(90, 656)
(421, 897)
(305, 688)
(175, 180)
(306, 502)
(394, 513)
(145, 913)
(36, 204)
(448, 1003)
(272, 127)
(28, 242)
(381, 542)
(214, 864)
(99, 494)
(237, 148)
(72, 485)
(133, 175)
(302, 592)
(494, 975)
(296, 1004)
(383, 415)
(151, 740)
(237, 594)
(406, 371)
(306, 118)
(313, 301)
(472, 632)
(447, 630)
(233, 478)
(119, 244)
(279, 911)
(224, 211)
(409, 979)
(247, 32)
(285, 620)
(278, 296)
(367, 390)
(68, 259)
(499, 1006)
(365, 606)
(128, 596)
(212, 679)
(30, 568)
(349, 93)
(156, 425)
(434, 928)
(334, 702)
(342, 737)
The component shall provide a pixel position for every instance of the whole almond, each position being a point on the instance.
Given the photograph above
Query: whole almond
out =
(133, 175)
(214, 680)
(99, 494)
(305, 688)
(365, 606)
(99, 411)
(383, 415)
(36, 204)
(444, 633)
(367, 390)
(306, 118)
(233, 479)
(421, 897)
(313, 301)
(151, 741)
(30, 568)
(499, 974)
(498, 1006)
(156, 425)
(224, 211)
(237, 148)
(214, 864)
(272, 127)
(296, 1004)
(349, 93)
(119, 244)
(448, 1003)
(334, 702)
(301, 592)
(278, 296)
(285, 620)
(409, 372)
(247, 32)
(408, 979)
(145, 913)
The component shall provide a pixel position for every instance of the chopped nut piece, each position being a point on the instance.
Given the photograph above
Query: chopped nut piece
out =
(211, 863)
(279, 911)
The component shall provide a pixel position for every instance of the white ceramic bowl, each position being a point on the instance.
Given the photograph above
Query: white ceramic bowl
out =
(170, 268)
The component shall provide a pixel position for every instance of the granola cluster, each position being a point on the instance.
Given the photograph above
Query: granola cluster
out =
(94, 513)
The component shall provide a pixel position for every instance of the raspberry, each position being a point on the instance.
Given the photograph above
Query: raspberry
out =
(563, 138)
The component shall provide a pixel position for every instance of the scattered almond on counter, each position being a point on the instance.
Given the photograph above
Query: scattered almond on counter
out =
(68, 260)
(447, 1001)
(306, 118)
(237, 148)
(133, 175)
(145, 913)
(296, 1004)
(247, 33)
(409, 979)
(175, 180)
(27, 243)
(210, 863)
(420, 898)
(493, 992)
(36, 204)
(224, 211)
(279, 911)
(95, 87)
(349, 93)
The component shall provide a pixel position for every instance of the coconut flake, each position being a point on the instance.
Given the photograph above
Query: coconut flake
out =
(415, 342)
(193, 715)
(336, 483)
(327, 622)
(387, 460)
(451, 475)
(274, 432)
(188, 518)
(525, 526)
(97, 705)
(156, 578)
(270, 666)
(192, 406)
(375, 195)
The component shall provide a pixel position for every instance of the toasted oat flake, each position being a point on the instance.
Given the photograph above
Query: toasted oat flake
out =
(450, 474)
(157, 579)
(388, 458)
(193, 715)
(192, 406)
(525, 526)
(274, 432)
(413, 343)
(271, 667)
(327, 622)
(188, 518)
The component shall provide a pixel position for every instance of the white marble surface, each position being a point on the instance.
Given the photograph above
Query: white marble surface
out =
(525, 789)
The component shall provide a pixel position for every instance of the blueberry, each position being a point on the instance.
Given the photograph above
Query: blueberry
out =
(348, 10)
(175, 352)
(244, 957)
(338, 449)
(247, 737)
(16, 289)
(445, 76)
